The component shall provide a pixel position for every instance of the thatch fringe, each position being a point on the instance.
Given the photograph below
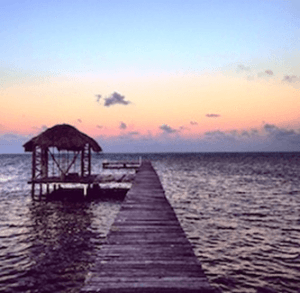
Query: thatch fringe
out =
(63, 137)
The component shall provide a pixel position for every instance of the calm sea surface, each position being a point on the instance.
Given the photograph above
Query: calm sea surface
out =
(241, 212)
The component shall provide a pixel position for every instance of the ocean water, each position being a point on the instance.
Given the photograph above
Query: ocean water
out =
(241, 212)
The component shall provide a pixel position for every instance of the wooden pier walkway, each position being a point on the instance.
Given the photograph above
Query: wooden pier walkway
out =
(146, 249)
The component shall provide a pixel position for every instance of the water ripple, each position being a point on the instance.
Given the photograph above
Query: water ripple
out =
(241, 214)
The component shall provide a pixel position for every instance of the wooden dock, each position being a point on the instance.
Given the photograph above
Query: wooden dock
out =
(146, 249)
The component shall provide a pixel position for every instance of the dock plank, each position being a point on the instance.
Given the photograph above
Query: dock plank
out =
(146, 249)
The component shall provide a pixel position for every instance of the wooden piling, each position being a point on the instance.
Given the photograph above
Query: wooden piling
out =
(146, 249)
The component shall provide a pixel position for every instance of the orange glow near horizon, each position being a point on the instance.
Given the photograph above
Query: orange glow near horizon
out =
(174, 100)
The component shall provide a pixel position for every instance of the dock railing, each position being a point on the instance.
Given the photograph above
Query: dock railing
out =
(125, 164)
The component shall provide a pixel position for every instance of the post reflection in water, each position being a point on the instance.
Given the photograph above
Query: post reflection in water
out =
(62, 246)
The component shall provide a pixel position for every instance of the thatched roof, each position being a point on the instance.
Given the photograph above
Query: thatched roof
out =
(63, 137)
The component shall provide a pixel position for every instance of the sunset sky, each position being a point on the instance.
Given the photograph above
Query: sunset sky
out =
(161, 76)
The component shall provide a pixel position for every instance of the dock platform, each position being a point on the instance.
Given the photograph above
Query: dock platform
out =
(146, 250)
(121, 165)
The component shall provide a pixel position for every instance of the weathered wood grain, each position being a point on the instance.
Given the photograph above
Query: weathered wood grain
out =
(146, 249)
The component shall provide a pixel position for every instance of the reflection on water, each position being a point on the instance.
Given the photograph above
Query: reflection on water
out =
(241, 213)
(60, 246)
(46, 246)
(53, 249)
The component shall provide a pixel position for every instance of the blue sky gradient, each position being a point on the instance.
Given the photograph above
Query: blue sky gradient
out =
(91, 48)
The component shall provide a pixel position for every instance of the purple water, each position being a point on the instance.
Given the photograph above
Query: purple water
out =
(241, 213)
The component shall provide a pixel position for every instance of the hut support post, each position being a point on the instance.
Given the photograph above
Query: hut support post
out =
(32, 190)
(82, 163)
(86, 161)
(33, 171)
(89, 161)
(44, 162)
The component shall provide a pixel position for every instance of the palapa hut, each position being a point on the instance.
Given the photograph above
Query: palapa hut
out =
(55, 153)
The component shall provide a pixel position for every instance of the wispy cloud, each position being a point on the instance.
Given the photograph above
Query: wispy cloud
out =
(182, 128)
(269, 72)
(99, 126)
(268, 138)
(232, 135)
(213, 115)
(291, 78)
(79, 120)
(133, 133)
(12, 143)
(216, 133)
(251, 133)
(194, 123)
(9, 138)
(242, 67)
(167, 129)
(282, 134)
(122, 125)
(98, 97)
(114, 99)
(39, 129)
(251, 75)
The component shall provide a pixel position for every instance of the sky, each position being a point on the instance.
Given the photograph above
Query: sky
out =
(152, 76)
